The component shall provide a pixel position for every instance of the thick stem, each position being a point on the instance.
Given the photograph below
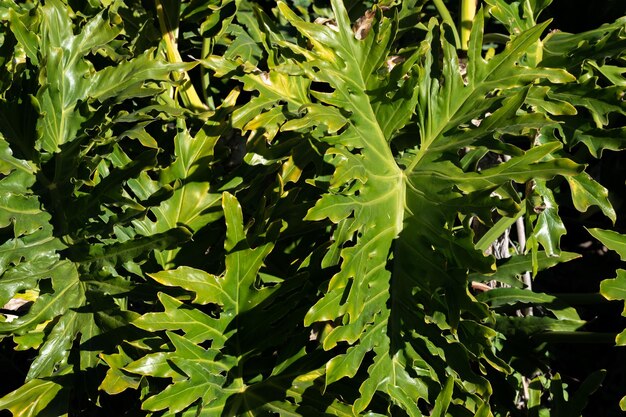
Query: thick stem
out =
(521, 238)
(446, 17)
(468, 12)
(526, 388)
(187, 91)
(205, 78)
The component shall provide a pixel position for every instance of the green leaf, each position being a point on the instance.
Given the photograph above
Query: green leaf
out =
(26, 36)
(509, 269)
(9, 163)
(502, 296)
(443, 399)
(55, 350)
(549, 227)
(68, 79)
(373, 165)
(193, 202)
(154, 364)
(117, 380)
(243, 46)
(206, 286)
(569, 50)
(586, 192)
(612, 72)
(197, 326)
(599, 102)
(578, 401)
(31, 398)
(413, 208)
(100, 256)
(497, 230)
(204, 380)
(612, 240)
(533, 325)
(66, 294)
(614, 289)
(235, 293)
(19, 208)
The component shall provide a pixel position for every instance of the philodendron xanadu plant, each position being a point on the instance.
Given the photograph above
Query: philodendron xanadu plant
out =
(301, 219)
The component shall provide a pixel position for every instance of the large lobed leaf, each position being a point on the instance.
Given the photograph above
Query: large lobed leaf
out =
(70, 252)
(401, 257)
(363, 308)
(198, 373)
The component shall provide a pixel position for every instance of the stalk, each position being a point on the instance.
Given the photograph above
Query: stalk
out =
(187, 91)
(205, 79)
(446, 17)
(521, 237)
(468, 12)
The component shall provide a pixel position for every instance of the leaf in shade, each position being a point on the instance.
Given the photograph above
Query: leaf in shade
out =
(55, 350)
(194, 203)
(204, 378)
(615, 288)
(599, 102)
(533, 325)
(510, 269)
(569, 50)
(39, 247)
(595, 139)
(99, 256)
(234, 293)
(66, 293)
(68, 80)
(579, 399)
(613, 73)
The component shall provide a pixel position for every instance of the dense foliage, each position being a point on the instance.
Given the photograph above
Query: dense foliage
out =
(228, 207)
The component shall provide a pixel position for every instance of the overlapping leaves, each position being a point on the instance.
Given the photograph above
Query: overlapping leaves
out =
(403, 207)
(354, 181)
(205, 372)
(615, 288)
(217, 379)
(72, 252)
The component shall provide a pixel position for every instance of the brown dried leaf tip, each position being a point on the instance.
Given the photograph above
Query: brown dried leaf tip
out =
(394, 60)
(331, 23)
(363, 25)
